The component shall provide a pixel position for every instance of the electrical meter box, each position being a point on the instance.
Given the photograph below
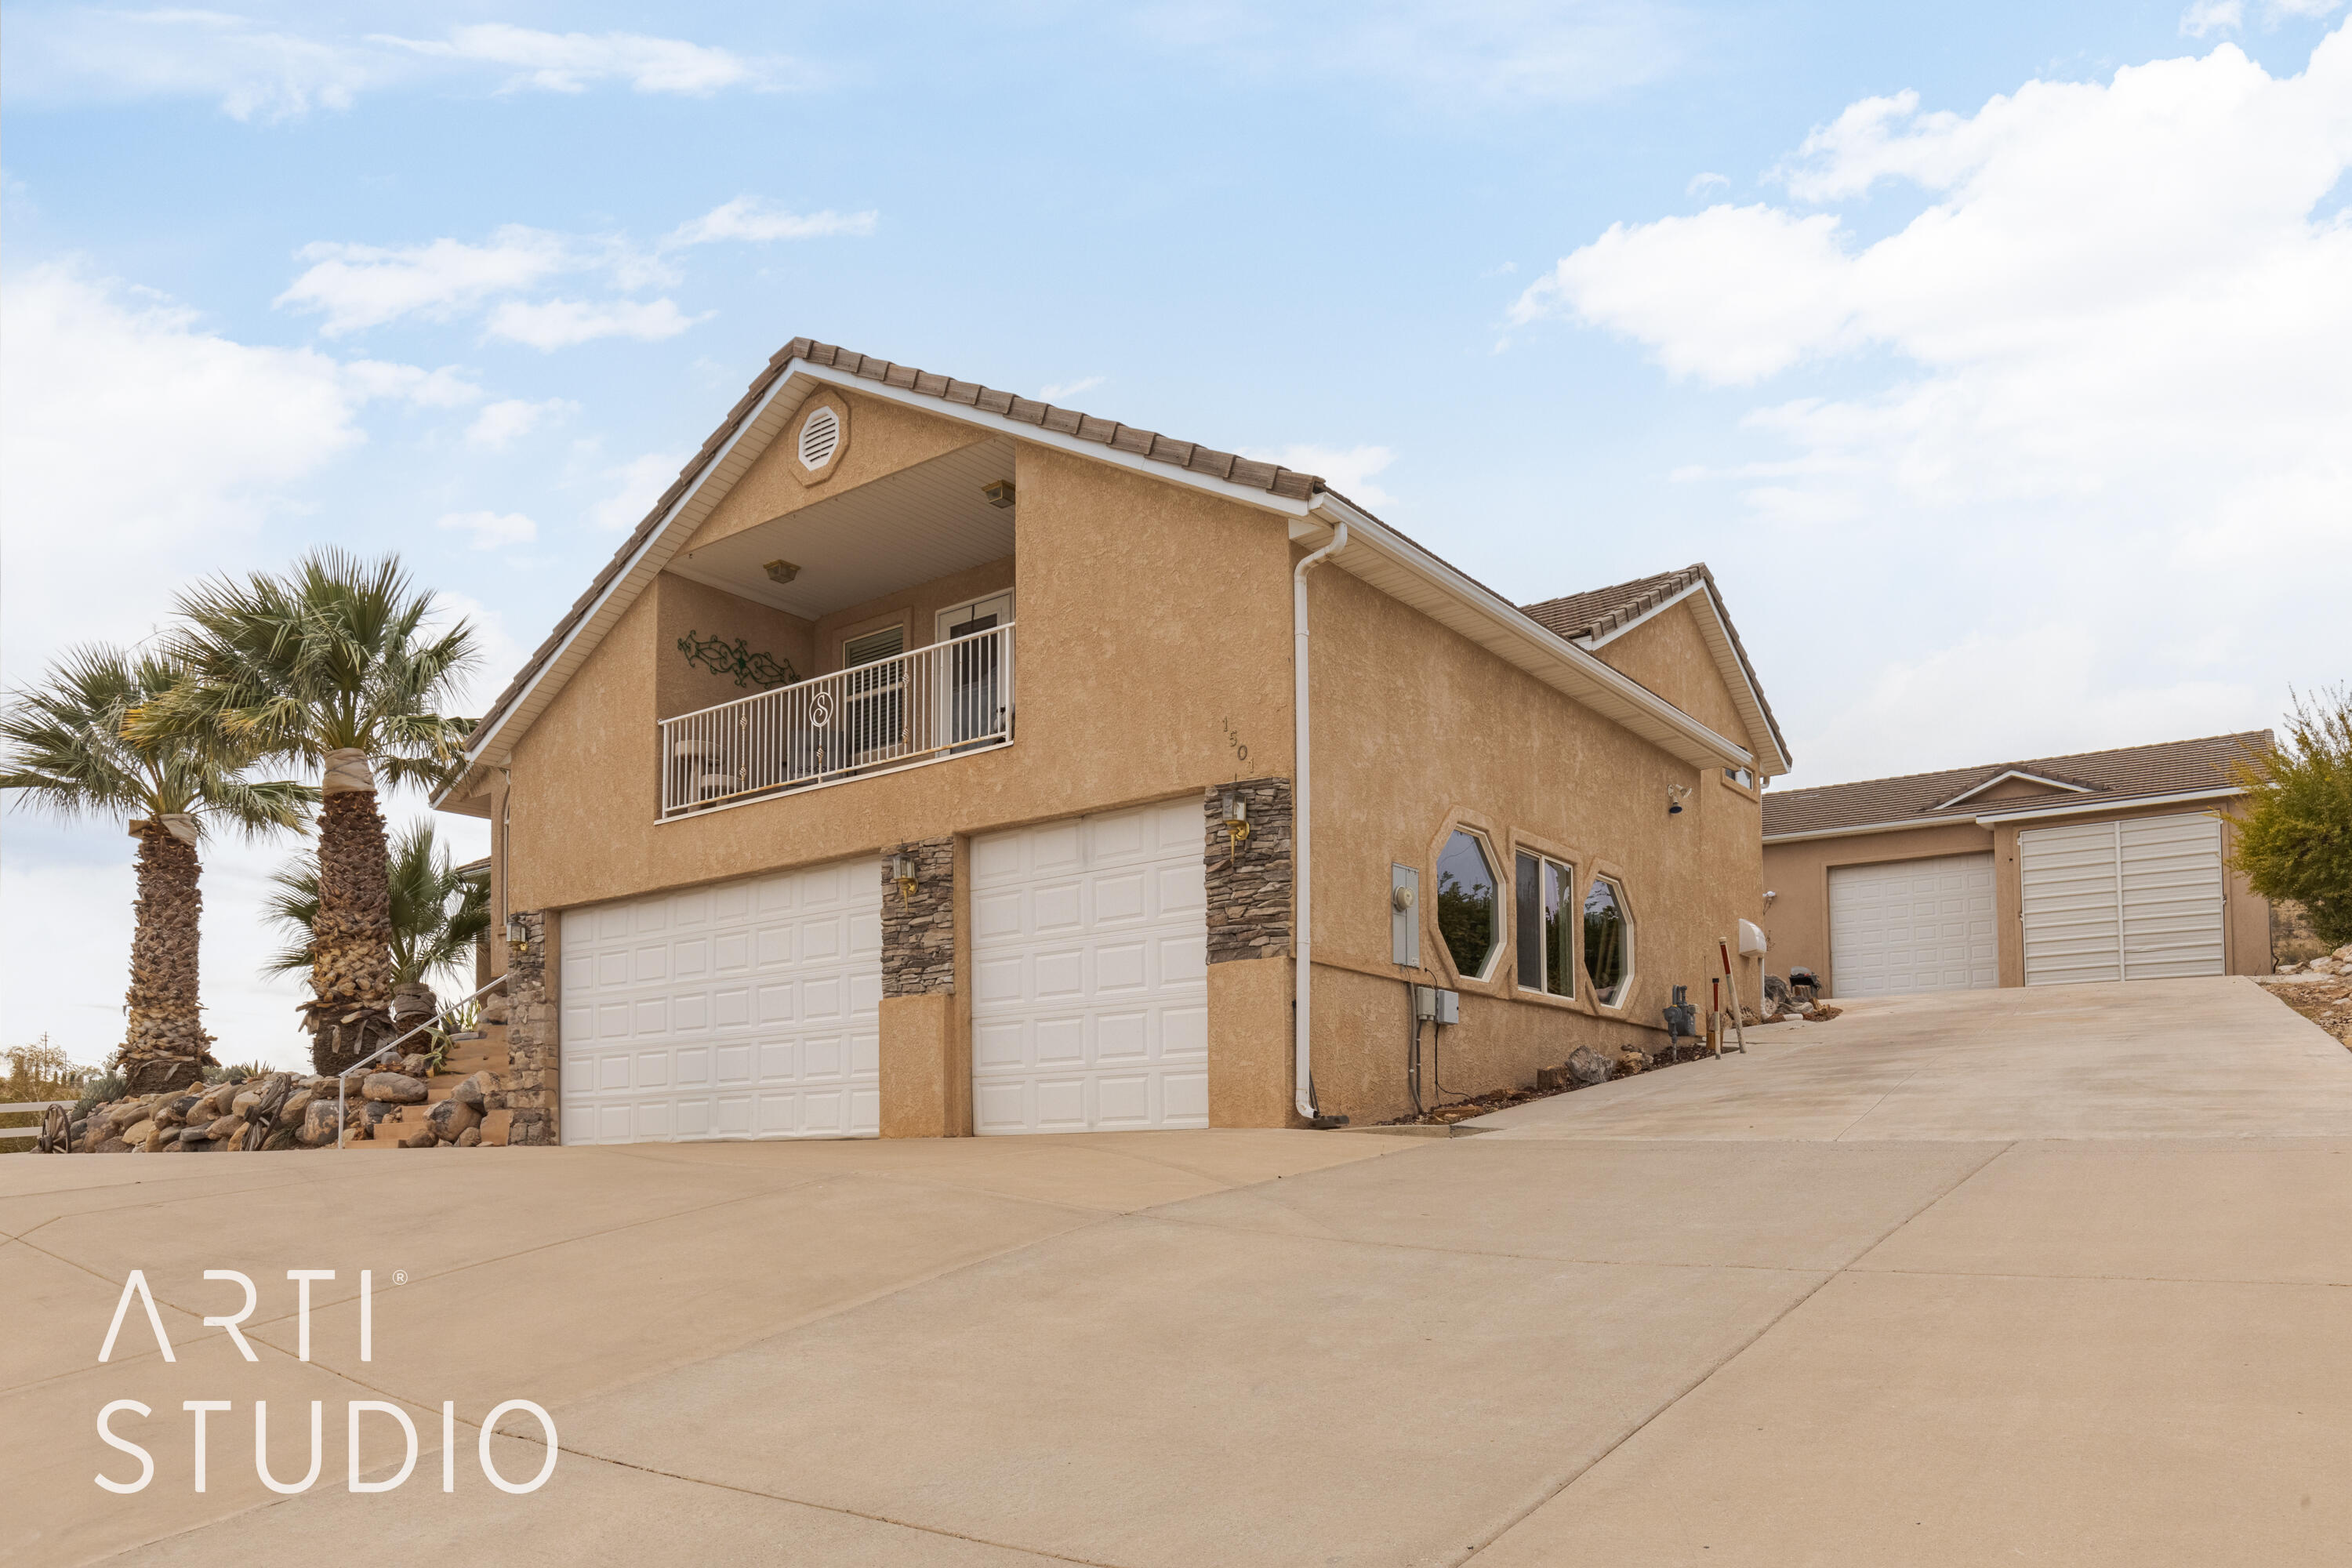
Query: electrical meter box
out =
(1436, 1004)
(1405, 915)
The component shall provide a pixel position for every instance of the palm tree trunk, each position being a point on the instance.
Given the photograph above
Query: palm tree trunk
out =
(350, 958)
(165, 1047)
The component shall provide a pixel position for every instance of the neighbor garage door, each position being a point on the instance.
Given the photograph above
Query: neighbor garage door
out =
(1090, 1005)
(1905, 926)
(745, 1010)
(2140, 900)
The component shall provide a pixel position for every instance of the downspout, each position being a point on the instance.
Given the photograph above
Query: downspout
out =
(1302, 883)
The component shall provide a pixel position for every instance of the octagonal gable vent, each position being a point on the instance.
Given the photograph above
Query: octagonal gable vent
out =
(819, 434)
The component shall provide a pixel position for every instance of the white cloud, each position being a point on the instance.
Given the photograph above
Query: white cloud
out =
(2213, 17)
(642, 483)
(360, 286)
(569, 62)
(1701, 183)
(79, 53)
(1347, 470)
(562, 324)
(1062, 389)
(749, 219)
(510, 419)
(2091, 388)
(490, 529)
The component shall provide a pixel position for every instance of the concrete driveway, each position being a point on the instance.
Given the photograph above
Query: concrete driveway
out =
(2018, 1277)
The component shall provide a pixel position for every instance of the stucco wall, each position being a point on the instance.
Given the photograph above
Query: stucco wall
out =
(1667, 654)
(1417, 728)
(689, 606)
(1798, 923)
(1153, 640)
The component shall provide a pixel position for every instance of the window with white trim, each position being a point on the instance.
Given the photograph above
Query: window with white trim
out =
(1546, 936)
(1469, 910)
(1608, 941)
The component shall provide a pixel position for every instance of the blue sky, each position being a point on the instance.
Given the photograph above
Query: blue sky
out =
(1995, 357)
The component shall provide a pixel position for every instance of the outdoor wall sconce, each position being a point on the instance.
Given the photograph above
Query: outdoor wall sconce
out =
(1000, 494)
(1236, 827)
(518, 934)
(902, 871)
(780, 571)
(1675, 795)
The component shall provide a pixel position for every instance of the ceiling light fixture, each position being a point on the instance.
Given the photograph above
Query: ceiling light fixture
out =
(780, 571)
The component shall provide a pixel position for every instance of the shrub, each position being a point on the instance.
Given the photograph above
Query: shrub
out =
(2295, 830)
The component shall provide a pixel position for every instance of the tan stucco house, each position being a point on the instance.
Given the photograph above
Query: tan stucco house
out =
(931, 760)
(2100, 865)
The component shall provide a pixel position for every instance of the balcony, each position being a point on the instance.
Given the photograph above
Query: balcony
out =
(925, 706)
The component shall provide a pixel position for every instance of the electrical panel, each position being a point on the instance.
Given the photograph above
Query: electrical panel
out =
(1404, 916)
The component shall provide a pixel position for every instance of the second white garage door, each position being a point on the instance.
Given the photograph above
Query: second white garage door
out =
(1902, 927)
(1089, 1005)
(746, 1010)
(2136, 899)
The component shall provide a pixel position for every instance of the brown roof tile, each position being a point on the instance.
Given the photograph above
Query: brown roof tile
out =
(2175, 767)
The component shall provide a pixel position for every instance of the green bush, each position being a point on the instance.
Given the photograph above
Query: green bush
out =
(2293, 836)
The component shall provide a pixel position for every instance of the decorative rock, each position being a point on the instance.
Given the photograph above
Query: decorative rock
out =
(224, 1126)
(470, 1138)
(318, 1123)
(196, 1134)
(142, 1133)
(416, 1064)
(494, 1008)
(114, 1146)
(244, 1100)
(474, 1090)
(1589, 1066)
(393, 1087)
(298, 1105)
(421, 1139)
(451, 1118)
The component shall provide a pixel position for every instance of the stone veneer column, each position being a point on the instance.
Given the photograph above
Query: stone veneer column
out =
(926, 1071)
(530, 1036)
(1249, 953)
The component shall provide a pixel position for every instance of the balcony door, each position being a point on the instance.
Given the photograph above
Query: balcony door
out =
(977, 685)
(874, 678)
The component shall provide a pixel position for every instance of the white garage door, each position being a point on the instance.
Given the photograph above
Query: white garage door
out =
(747, 1010)
(2122, 900)
(1906, 926)
(1090, 1005)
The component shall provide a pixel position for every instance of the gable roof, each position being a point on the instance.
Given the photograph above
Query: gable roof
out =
(1598, 614)
(804, 364)
(2173, 769)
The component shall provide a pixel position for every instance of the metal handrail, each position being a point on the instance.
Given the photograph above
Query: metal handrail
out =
(343, 1078)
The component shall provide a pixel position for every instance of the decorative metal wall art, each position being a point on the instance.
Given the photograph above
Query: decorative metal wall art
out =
(721, 656)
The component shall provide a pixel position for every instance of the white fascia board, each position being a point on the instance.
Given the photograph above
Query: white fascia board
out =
(1540, 651)
(1613, 633)
(2108, 803)
(1717, 631)
(1907, 822)
(626, 583)
(2004, 777)
(1037, 435)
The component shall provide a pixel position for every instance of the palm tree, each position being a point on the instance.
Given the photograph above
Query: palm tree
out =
(70, 749)
(334, 666)
(437, 915)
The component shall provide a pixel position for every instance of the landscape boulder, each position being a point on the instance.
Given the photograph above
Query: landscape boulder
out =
(475, 1090)
(451, 1118)
(1590, 1066)
(394, 1089)
(318, 1123)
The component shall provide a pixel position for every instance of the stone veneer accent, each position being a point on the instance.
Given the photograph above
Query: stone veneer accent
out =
(919, 930)
(1249, 899)
(530, 1036)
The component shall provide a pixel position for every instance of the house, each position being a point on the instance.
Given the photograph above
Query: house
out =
(2102, 866)
(932, 761)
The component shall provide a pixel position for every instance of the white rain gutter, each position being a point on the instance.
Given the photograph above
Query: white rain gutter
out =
(1302, 881)
(2079, 808)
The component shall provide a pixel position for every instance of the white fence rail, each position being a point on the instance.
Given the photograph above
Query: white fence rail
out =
(951, 697)
(30, 1105)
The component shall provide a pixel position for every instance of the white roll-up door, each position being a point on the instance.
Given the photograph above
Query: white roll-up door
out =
(1090, 974)
(1900, 927)
(2141, 899)
(749, 1009)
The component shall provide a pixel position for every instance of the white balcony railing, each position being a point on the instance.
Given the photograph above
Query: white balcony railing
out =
(951, 697)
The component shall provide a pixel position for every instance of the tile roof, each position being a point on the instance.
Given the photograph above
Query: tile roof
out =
(1600, 611)
(2175, 767)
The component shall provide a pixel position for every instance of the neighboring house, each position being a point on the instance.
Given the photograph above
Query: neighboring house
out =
(2105, 865)
(924, 764)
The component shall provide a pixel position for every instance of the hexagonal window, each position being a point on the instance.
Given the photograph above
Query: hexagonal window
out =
(1469, 913)
(1608, 941)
